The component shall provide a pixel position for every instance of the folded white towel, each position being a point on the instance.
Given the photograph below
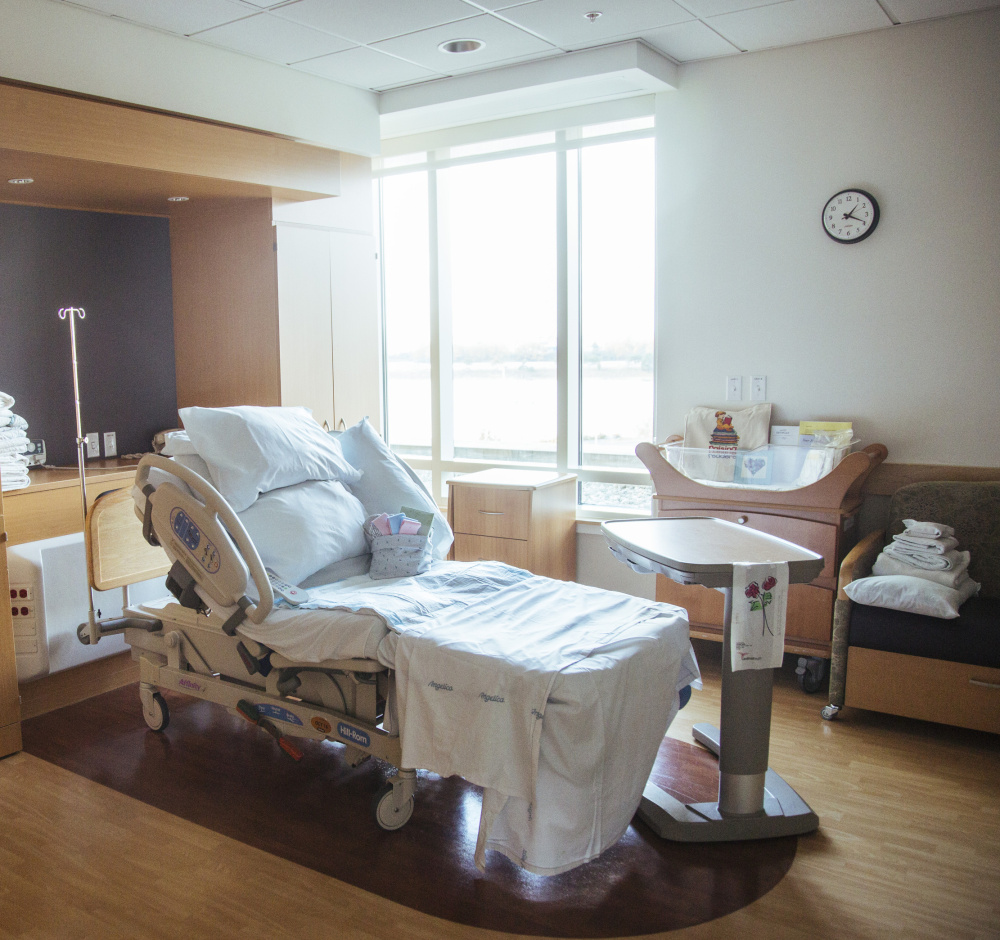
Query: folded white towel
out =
(16, 421)
(916, 544)
(888, 565)
(927, 530)
(931, 561)
(6, 401)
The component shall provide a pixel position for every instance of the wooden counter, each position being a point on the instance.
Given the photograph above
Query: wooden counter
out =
(51, 506)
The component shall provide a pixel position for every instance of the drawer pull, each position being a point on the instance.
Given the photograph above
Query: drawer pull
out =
(486, 512)
(743, 520)
(985, 685)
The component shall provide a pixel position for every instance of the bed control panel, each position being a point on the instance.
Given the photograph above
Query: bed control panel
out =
(289, 592)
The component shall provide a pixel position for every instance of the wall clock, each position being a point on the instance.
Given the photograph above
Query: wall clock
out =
(850, 216)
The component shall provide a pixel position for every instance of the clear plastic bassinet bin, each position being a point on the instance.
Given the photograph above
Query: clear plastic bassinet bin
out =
(772, 467)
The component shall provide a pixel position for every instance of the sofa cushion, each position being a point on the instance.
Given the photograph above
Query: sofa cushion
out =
(973, 637)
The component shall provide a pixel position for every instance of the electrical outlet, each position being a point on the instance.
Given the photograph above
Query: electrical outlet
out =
(758, 388)
(110, 444)
(734, 388)
(93, 444)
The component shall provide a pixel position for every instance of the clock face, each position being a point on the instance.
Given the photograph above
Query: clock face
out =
(850, 216)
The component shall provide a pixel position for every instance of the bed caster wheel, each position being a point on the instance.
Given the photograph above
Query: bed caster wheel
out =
(830, 712)
(811, 671)
(386, 814)
(155, 711)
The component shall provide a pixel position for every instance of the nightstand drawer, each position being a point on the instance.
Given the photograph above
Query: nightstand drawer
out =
(492, 511)
(480, 548)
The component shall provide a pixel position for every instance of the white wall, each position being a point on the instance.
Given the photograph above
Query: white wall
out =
(62, 46)
(899, 333)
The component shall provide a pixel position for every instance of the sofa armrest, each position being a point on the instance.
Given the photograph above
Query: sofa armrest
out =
(856, 564)
(859, 560)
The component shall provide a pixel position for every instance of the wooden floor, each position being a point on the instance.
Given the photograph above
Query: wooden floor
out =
(909, 846)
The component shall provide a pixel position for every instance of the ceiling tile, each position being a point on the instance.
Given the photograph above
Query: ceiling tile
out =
(908, 11)
(502, 42)
(562, 22)
(276, 40)
(177, 16)
(794, 21)
(368, 21)
(705, 8)
(687, 42)
(366, 68)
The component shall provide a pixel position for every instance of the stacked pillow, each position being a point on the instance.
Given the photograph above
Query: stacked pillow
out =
(301, 493)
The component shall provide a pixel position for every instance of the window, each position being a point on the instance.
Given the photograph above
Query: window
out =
(518, 293)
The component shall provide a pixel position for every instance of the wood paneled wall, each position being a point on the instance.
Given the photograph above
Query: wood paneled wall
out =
(225, 304)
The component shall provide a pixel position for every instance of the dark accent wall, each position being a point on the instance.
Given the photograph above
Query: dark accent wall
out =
(117, 267)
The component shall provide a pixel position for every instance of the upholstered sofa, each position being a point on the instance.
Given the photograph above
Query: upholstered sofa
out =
(903, 663)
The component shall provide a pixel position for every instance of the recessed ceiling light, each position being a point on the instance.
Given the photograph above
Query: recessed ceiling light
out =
(21, 180)
(177, 198)
(595, 15)
(458, 46)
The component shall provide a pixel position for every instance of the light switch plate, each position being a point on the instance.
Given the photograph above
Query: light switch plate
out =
(758, 388)
(93, 444)
(734, 388)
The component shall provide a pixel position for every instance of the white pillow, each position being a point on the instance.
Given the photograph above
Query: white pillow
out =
(917, 595)
(251, 450)
(194, 462)
(299, 529)
(388, 483)
(177, 444)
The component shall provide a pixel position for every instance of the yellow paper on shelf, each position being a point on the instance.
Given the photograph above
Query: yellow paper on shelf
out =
(812, 427)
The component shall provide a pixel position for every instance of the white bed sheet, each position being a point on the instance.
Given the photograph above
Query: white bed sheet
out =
(553, 696)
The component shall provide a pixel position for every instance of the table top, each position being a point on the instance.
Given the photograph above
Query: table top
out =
(703, 550)
(512, 478)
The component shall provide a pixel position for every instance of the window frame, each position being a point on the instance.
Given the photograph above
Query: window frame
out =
(441, 463)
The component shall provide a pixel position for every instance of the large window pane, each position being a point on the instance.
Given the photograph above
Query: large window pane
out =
(406, 267)
(617, 280)
(498, 247)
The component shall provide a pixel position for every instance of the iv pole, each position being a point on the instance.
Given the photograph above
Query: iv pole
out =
(71, 313)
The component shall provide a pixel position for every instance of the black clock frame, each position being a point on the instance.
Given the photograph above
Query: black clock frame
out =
(871, 228)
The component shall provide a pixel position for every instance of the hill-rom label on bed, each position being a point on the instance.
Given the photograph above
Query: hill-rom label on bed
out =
(352, 734)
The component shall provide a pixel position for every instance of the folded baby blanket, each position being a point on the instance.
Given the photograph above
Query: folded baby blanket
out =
(913, 543)
(932, 561)
(927, 530)
(886, 565)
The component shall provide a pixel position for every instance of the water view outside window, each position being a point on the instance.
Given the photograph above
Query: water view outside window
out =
(406, 286)
(474, 248)
(616, 323)
(498, 247)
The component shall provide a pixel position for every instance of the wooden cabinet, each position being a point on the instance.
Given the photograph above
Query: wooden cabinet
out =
(525, 518)
(821, 517)
(10, 709)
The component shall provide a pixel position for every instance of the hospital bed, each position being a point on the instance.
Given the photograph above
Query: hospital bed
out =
(551, 696)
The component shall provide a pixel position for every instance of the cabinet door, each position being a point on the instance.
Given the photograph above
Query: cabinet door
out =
(481, 548)
(808, 619)
(10, 711)
(492, 510)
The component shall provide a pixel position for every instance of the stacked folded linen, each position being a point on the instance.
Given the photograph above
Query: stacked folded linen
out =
(925, 550)
(13, 446)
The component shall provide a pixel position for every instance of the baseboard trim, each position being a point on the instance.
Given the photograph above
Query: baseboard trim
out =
(74, 685)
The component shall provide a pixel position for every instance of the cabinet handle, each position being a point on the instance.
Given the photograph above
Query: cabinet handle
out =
(985, 685)
(742, 520)
(487, 512)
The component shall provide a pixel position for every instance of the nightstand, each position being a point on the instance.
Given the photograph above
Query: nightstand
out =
(526, 518)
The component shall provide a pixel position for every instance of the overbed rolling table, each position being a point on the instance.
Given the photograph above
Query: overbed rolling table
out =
(754, 802)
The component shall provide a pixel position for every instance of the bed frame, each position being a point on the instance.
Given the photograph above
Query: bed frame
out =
(195, 653)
